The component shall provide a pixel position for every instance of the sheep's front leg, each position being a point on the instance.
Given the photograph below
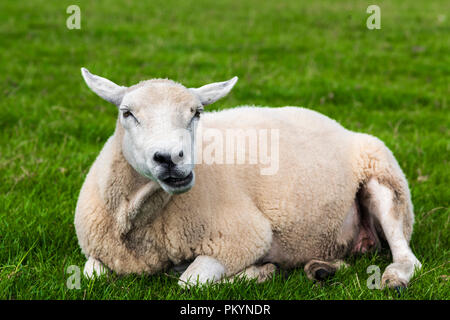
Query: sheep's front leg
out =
(93, 268)
(130, 208)
(202, 270)
(245, 242)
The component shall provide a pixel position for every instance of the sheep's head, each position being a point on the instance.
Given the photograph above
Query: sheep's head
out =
(159, 118)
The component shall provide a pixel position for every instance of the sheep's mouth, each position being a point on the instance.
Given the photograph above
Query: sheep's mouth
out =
(175, 182)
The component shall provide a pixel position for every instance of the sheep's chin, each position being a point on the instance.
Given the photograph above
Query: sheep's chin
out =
(177, 190)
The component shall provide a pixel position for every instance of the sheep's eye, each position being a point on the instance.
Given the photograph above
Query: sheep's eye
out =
(126, 114)
(198, 111)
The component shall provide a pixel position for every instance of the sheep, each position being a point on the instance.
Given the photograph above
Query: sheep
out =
(144, 209)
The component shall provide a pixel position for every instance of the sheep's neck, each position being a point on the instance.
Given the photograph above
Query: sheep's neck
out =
(132, 197)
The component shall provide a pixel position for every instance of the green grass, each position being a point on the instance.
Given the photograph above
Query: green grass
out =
(392, 83)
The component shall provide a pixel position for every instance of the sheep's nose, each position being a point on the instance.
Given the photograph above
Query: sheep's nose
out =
(164, 159)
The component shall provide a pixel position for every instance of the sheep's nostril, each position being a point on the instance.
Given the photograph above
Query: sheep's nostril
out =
(163, 159)
(158, 157)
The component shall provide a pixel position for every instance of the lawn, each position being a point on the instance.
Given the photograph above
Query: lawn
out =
(392, 83)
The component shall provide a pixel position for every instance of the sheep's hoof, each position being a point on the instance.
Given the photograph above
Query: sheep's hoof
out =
(94, 268)
(319, 270)
(204, 270)
(322, 274)
(392, 281)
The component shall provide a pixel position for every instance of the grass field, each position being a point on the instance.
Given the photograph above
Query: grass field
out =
(392, 83)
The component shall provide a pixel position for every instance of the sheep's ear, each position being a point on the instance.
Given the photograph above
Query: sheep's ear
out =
(104, 88)
(214, 91)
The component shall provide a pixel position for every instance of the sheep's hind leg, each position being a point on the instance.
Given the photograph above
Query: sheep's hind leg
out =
(260, 273)
(93, 268)
(205, 270)
(202, 270)
(322, 270)
(395, 217)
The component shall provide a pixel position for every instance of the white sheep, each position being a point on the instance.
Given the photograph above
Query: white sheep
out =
(335, 192)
